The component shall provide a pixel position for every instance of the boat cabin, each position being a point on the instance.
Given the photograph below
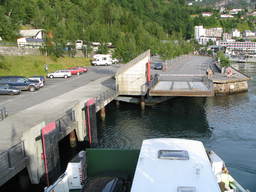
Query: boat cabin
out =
(173, 165)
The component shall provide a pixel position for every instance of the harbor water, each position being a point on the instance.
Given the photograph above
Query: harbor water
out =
(225, 124)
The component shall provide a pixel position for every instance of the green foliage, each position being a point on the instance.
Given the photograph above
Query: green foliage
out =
(34, 65)
(103, 49)
(3, 64)
(132, 26)
(224, 61)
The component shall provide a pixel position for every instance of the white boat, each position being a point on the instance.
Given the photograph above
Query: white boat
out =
(178, 165)
(161, 165)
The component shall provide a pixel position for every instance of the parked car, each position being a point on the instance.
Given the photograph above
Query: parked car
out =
(115, 60)
(158, 66)
(60, 73)
(20, 82)
(77, 70)
(6, 89)
(41, 80)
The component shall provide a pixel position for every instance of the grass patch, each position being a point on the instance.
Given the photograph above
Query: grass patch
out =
(34, 65)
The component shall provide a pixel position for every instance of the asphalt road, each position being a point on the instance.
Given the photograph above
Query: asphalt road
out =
(54, 87)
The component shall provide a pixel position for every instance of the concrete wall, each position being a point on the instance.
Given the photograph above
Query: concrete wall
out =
(131, 80)
(16, 51)
(33, 150)
(33, 141)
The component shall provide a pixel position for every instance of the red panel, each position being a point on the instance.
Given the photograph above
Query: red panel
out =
(45, 130)
(90, 102)
(49, 128)
(148, 71)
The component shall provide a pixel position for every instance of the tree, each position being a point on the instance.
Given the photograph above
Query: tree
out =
(224, 61)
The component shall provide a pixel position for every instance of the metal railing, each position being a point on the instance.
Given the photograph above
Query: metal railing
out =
(12, 156)
(154, 81)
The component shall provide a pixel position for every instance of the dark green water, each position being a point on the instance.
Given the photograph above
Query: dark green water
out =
(225, 124)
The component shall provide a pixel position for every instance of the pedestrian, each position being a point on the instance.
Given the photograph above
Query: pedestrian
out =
(46, 68)
(229, 72)
(225, 180)
(209, 73)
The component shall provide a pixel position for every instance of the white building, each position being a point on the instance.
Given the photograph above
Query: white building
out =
(248, 33)
(33, 38)
(33, 33)
(203, 36)
(226, 16)
(235, 11)
(1, 39)
(236, 33)
(227, 36)
(206, 14)
(239, 47)
(199, 32)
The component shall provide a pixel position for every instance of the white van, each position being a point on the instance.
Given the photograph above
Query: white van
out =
(101, 59)
(79, 44)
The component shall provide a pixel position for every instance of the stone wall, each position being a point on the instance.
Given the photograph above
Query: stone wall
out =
(230, 88)
(17, 51)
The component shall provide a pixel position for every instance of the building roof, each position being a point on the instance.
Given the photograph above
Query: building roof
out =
(34, 40)
(30, 32)
(185, 165)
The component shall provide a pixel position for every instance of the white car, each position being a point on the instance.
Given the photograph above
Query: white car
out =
(39, 79)
(61, 73)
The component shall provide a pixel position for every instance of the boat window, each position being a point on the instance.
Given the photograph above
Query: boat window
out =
(173, 154)
(186, 189)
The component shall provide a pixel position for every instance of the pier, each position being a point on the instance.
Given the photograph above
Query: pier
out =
(185, 76)
(30, 135)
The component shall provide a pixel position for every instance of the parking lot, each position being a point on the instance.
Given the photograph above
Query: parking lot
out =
(54, 87)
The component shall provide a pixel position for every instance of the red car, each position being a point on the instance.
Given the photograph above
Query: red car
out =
(77, 70)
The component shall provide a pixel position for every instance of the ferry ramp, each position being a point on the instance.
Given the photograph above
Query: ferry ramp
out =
(183, 76)
(182, 85)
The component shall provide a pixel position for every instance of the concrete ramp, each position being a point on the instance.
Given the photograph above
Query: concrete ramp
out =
(196, 86)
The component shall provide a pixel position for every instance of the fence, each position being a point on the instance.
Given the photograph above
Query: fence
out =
(12, 161)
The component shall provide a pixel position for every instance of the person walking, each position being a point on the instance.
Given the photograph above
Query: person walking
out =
(46, 68)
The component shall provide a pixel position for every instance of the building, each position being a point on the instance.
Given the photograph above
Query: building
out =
(203, 36)
(248, 33)
(236, 33)
(235, 11)
(33, 38)
(226, 16)
(252, 13)
(206, 14)
(226, 36)
(1, 39)
(235, 48)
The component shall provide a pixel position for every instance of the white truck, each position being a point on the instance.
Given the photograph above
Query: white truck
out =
(102, 59)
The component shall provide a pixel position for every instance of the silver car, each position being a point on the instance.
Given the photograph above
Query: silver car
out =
(6, 89)
(60, 73)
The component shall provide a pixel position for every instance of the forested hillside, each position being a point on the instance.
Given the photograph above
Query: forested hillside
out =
(131, 25)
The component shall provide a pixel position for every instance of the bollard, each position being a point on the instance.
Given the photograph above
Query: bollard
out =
(142, 103)
(72, 139)
(117, 103)
(103, 114)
